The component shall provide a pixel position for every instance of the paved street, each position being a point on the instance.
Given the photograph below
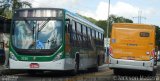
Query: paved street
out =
(104, 74)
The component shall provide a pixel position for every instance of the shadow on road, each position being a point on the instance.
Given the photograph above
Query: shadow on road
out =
(57, 74)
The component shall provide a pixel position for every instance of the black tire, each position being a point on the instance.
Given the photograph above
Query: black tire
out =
(153, 73)
(116, 71)
(93, 69)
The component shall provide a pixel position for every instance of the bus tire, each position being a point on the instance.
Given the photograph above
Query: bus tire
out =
(116, 71)
(153, 73)
(93, 69)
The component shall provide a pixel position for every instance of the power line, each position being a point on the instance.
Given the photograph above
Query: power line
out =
(140, 17)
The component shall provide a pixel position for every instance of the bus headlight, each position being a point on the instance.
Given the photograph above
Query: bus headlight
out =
(59, 55)
(12, 56)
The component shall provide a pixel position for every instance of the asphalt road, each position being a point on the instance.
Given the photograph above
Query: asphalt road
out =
(104, 74)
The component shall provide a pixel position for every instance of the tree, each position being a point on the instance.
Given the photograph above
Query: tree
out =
(104, 23)
(3, 7)
(157, 36)
(116, 19)
(88, 18)
(17, 4)
(6, 10)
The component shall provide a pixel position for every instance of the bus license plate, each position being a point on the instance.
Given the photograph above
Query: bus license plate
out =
(34, 65)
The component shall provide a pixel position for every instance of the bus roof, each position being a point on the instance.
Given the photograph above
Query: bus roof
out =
(39, 8)
(83, 20)
(133, 25)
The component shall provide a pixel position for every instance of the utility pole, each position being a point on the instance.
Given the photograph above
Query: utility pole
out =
(139, 17)
(107, 31)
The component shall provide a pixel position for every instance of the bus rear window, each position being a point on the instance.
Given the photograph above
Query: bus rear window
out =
(144, 34)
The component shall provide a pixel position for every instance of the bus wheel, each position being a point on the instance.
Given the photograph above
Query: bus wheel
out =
(93, 69)
(153, 73)
(116, 71)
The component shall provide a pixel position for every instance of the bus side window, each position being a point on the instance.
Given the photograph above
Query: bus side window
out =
(79, 34)
(89, 32)
(79, 28)
(96, 38)
(89, 37)
(74, 37)
(68, 25)
(84, 30)
(73, 26)
(93, 34)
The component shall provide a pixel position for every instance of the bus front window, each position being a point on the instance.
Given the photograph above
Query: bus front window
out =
(37, 34)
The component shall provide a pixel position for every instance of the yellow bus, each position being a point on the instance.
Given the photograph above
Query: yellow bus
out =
(132, 46)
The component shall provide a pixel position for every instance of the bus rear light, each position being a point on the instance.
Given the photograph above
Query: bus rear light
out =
(110, 51)
(153, 53)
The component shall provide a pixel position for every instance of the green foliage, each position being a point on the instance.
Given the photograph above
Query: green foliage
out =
(116, 19)
(17, 4)
(104, 23)
(89, 18)
(158, 36)
(6, 9)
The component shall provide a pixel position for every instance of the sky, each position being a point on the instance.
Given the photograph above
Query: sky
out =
(98, 9)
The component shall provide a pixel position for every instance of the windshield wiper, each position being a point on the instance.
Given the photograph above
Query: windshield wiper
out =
(44, 24)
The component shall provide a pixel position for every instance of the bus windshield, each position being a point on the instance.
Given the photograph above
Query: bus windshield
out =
(33, 34)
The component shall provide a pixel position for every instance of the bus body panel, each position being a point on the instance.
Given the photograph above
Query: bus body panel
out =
(132, 45)
(131, 64)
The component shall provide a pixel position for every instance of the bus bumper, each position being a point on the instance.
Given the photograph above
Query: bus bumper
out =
(25, 65)
(130, 64)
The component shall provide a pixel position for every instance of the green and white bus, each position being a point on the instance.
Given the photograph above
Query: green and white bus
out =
(54, 39)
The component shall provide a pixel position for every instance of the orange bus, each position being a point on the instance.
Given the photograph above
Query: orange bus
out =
(132, 46)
